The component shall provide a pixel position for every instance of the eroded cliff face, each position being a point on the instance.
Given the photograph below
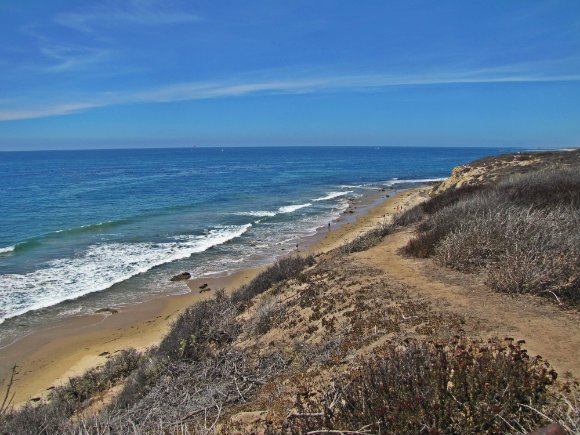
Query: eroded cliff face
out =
(489, 169)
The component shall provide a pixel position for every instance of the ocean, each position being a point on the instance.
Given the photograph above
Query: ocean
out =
(81, 230)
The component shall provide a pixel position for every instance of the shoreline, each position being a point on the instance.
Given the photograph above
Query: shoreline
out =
(49, 357)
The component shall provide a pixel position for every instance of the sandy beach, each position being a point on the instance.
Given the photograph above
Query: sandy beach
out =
(49, 357)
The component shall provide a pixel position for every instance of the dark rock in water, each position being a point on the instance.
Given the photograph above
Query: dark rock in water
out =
(204, 285)
(106, 310)
(181, 277)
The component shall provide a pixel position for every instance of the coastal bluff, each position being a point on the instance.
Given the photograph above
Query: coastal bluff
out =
(490, 169)
(446, 309)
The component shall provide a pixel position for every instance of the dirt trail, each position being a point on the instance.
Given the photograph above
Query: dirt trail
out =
(547, 329)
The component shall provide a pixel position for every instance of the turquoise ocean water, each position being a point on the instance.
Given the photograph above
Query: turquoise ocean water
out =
(86, 229)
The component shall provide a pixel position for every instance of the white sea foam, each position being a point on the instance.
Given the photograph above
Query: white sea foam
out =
(98, 268)
(333, 195)
(421, 180)
(7, 249)
(292, 208)
(259, 213)
(360, 186)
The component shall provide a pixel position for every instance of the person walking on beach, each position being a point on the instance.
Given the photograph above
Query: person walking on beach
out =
(329, 227)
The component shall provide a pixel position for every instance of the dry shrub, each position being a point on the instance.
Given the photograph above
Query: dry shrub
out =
(565, 408)
(200, 328)
(53, 416)
(451, 196)
(433, 230)
(306, 355)
(286, 268)
(196, 335)
(422, 245)
(192, 395)
(409, 217)
(466, 387)
(523, 232)
(550, 187)
(522, 250)
(267, 310)
(99, 379)
(367, 240)
(433, 205)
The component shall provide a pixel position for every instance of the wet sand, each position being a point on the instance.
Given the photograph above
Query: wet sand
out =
(49, 357)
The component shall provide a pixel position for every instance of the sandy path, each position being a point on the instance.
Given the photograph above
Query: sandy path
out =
(547, 329)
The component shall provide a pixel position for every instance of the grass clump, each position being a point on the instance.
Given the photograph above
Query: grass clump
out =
(465, 387)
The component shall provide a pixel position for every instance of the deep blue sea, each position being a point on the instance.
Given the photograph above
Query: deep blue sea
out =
(106, 227)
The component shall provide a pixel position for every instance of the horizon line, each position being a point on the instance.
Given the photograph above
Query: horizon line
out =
(529, 148)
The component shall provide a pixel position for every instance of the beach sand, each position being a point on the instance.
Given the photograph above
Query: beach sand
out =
(49, 357)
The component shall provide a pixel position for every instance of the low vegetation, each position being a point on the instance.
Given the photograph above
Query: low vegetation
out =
(461, 387)
(54, 415)
(368, 239)
(522, 232)
(286, 268)
(267, 310)
(182, 386)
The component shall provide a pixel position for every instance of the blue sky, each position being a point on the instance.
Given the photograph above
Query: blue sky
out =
(139, 73)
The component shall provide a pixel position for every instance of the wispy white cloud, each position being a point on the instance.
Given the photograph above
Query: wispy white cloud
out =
(45, 111)
(96, 45)
(136, 12)
(58, 55)
(190, 91)
(69, 57)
